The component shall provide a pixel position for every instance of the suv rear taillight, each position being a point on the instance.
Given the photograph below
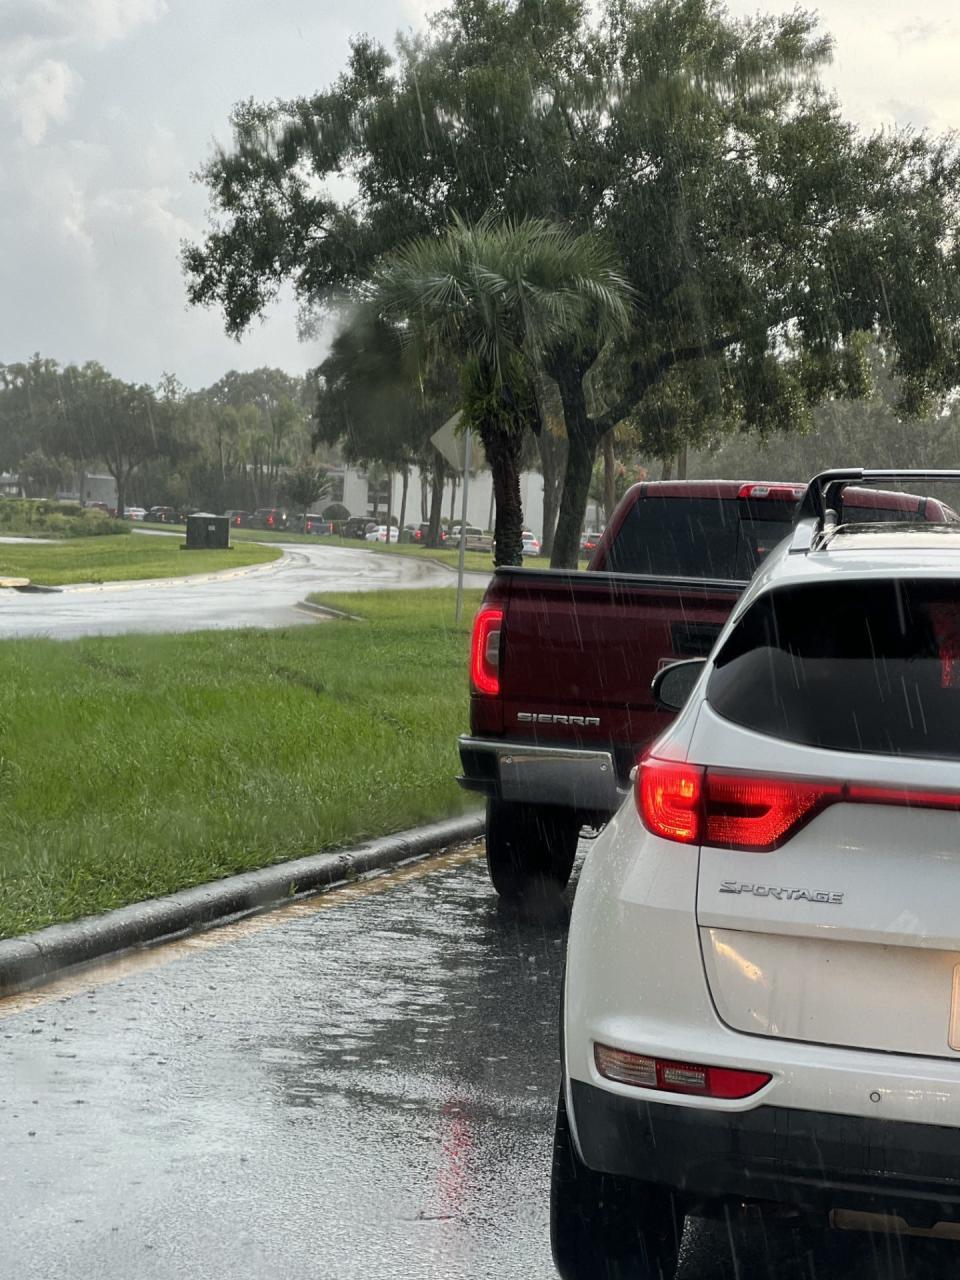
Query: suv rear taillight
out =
(668, 1076)
(670, 799)
(755, 813)
(485, 651)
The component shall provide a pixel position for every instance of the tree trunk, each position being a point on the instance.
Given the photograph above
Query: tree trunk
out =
(609, 476)
(424, 502)
(553, 457)
(453, 500)
(667, 472)
(389, 504)
(581, 455)
(403, 497)
(436, 503)
(503, 447)
(120, 479)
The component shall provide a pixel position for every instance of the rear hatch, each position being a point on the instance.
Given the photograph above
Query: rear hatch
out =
(829, 882)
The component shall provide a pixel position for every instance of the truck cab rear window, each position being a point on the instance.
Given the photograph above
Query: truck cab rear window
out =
(870, 666)
(698, 537)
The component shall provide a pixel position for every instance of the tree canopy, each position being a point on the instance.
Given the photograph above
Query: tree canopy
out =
(761, 232)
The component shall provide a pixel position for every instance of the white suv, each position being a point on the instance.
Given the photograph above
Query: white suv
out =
(762, 991)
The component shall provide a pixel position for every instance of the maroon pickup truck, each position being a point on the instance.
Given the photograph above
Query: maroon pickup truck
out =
(561, 662)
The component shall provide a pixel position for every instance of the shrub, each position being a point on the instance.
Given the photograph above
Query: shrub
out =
(35, 518)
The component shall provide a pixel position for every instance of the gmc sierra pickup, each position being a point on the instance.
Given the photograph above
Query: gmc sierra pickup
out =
(561, 662)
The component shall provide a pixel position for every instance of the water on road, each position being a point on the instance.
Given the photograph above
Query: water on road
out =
(358, 1085)
(265, 596)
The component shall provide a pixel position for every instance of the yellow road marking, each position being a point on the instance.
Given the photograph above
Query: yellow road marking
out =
(100, 973)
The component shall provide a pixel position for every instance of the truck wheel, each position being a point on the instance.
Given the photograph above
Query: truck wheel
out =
(529, 844)
(602, 1225)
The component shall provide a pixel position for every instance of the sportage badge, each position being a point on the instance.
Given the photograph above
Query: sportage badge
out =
(781, 893)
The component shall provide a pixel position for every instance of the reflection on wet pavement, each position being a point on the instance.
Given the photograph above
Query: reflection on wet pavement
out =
(367, 1091)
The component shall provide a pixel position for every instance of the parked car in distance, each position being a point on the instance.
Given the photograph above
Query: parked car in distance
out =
(476, 539)
(274, 518)
(135, 513)
(238, 519)
(379, 534)
(98, 506)
(358, 526)
(762, 998)
(162, 515)
(589, 542)
(422, 532)
(531, 543)
(314, 523)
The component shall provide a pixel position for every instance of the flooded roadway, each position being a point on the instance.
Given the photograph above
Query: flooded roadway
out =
(359, 1085)
(266, 596)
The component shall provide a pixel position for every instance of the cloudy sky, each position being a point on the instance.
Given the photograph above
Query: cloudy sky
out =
(106, 106)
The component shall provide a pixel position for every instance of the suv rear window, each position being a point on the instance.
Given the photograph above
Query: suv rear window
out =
(699, 537)
(869, 666)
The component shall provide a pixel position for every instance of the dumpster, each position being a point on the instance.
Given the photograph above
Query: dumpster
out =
(207, 532)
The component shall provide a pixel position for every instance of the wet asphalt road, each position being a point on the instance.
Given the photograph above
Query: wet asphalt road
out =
(360, 1085)
(266, 596)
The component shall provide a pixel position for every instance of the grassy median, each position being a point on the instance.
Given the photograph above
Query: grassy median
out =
(132, 766)
(120, 558)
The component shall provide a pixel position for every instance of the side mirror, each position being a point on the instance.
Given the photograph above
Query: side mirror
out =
(673, 684)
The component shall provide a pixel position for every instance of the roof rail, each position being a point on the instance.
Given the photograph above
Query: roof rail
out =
(822, 504)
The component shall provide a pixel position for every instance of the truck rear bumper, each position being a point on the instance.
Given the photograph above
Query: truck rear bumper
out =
(569, 777)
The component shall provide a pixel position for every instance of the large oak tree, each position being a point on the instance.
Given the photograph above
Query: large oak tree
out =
(761, 232)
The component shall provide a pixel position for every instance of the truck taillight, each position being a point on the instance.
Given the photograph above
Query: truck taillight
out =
(485, 651)
(668, 1076)
(785, 492)
(754, 813)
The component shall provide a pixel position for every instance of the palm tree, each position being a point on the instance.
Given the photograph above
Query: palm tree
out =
(496, 299)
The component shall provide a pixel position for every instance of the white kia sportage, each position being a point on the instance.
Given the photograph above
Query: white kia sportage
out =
(762, 991)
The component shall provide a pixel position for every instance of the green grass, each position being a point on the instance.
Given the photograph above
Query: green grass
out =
(136, 765)
(119, 558)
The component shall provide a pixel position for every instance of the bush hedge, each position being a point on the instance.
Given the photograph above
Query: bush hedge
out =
(35, 518)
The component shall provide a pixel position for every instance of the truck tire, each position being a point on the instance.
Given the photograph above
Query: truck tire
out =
(529, 845)
(607, 1226)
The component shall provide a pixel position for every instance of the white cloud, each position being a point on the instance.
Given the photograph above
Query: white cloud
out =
(57, 21)
(41, 96)
(37, 82)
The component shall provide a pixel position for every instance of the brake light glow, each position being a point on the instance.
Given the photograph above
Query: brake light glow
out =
(485, 651)
(670, 799)
(754, 813)
(747, 812)
(786, 492)
(667, 1076)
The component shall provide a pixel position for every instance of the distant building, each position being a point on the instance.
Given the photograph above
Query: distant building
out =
(357, 498)
(98, 489)
(10, 485)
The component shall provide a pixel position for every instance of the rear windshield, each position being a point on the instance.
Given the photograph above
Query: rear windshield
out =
(850, 666)
(698, 537)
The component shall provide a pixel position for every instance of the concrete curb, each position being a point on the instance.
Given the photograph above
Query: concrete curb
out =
(323, 611)
(37, 957)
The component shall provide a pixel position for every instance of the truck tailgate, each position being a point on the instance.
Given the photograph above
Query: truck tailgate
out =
(579, 650)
